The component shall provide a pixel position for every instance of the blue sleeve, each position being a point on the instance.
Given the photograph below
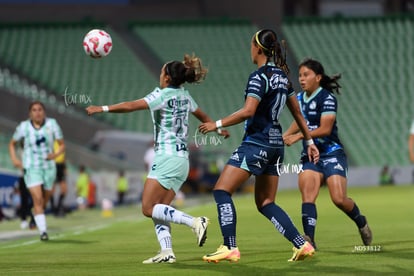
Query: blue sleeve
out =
(256, 86)
(329, 105)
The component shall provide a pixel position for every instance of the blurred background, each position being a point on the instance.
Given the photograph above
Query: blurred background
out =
(370, 42)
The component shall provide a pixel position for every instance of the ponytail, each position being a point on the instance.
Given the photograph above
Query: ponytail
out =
(189, 70)
(268, 42)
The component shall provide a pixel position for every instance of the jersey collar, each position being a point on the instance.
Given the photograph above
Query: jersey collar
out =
(313, 95)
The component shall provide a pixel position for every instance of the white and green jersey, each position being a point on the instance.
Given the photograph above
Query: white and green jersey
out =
(38, 143)
(170, 108)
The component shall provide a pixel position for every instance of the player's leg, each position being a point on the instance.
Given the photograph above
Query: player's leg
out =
(337, 190)
(265, 194)
(309, 184)
(61, 178)
(229, 181)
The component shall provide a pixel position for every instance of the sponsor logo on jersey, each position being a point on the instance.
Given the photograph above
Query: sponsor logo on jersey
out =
(330, 160)
(278, 81)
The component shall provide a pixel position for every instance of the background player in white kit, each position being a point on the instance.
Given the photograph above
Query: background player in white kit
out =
(38, 134)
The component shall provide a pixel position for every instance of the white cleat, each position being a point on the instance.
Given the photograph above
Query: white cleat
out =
(200, 229)
(166, 256)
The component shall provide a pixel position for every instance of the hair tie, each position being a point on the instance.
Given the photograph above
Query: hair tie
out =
(258, 41)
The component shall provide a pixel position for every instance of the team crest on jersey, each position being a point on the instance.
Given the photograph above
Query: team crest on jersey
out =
(312, 105)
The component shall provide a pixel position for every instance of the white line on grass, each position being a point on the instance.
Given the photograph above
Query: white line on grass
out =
(78, 231)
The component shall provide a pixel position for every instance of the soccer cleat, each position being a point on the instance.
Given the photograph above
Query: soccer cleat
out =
(366, 234)
(308, 239)
(223, 253)
(166, 256)
(44, 237)
(304, 251)
(200, 229)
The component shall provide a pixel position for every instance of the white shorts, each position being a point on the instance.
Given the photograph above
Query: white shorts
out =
(36, 177)
(170, 171)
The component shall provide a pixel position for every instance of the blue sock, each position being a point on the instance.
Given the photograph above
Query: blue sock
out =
(282, 223)
(309, 216)
(356, 216)
(227, 217)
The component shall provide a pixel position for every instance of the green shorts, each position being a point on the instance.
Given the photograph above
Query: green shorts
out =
(35, 177)
(170, 171)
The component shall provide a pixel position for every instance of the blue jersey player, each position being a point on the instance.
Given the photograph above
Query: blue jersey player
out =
(268, 90)
(319, 106)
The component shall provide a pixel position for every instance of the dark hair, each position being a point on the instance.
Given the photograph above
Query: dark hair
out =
(190, 70)
(35, 103)
(328, 82)
(268, 42)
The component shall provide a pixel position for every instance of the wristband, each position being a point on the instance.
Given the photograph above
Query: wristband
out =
(219, 124)
(309, 142)
(105, 108)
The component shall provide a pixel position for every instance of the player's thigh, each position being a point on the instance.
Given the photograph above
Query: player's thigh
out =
(265, 189)
(154, 193)
(231, 178)
(337, 185)
(309, 184)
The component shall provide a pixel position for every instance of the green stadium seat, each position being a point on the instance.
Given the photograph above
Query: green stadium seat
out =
(374, 56)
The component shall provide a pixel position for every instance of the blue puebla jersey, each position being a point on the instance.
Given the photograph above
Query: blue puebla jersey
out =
(321, 102)
(268, 84)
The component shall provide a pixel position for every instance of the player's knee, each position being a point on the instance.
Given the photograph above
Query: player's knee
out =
(147, 211)
(339, 202)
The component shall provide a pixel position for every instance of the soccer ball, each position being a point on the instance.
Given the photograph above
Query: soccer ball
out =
(97, 43)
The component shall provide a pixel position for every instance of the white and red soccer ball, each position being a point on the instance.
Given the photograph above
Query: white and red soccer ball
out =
(97, 43)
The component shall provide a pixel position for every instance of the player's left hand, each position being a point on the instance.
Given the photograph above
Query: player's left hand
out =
(291, 139)
(223, 132)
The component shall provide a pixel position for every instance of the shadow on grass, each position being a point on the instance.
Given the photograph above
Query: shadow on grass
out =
(70, 241)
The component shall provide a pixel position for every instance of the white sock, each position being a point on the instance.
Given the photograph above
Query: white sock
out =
(163, 232)
(167, 213)
(41, 222)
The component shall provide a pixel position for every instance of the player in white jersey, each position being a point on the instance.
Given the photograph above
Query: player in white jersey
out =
(38, 134)
(170, 106)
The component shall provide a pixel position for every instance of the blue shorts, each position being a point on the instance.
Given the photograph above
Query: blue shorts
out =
(257, 159)
(334, 163)
(170, 171)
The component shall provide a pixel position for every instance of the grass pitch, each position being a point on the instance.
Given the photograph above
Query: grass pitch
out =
(85, 243)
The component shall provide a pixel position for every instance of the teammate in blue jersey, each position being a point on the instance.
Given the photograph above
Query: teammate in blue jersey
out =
(268, 90)
(319, 107)
(38, 134)
(170, 107)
